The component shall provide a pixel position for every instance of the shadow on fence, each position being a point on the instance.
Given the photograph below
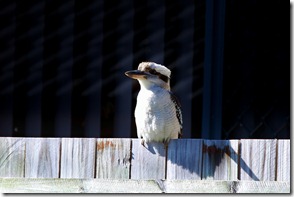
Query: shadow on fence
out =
(257, 160)
(205, 159)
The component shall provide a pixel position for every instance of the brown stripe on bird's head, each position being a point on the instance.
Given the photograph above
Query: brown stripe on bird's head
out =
(154, 72)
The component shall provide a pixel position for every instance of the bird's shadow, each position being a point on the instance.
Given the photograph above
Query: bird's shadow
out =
(200, 158)
(155, 148)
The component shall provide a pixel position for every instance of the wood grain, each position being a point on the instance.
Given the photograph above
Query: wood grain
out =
(42, 157)
(12, 157)
(148, 163)
(45, 185)
(258, 160)
(184, 159)
(77, 157)
(220, 160)
(260, 187)
(197, 186)
(113, 158)
(283, 160)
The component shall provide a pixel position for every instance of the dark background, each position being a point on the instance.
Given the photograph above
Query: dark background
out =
(62, 66)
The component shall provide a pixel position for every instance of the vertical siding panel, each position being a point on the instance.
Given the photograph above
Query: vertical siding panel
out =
(184, 159)
(124, 53)
(51, 62)
(155, 21)
(12, 157)
(77, 157)
(283, 161)
(109, 60)
(34, 78)
(6, 101)
(140, 32)
(220, 160)
(58, 54)
(113, 159)
(79, 68)
(21, 68)
(7, 51)
(42, 157)
(28, 69)
(94, 69)
(258, 160)
(64, 71)
(148, 163)
(213, 69)
(184, 65)
(198, 59)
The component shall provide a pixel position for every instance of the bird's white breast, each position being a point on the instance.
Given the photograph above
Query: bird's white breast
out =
(155, 115)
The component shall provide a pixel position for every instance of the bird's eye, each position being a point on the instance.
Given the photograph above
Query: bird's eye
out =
(153, 72)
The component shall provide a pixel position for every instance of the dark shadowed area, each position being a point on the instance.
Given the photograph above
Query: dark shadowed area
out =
(62, 66)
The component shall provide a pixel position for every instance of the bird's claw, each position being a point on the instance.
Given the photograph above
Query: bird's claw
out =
(143, 143)
(165, 144)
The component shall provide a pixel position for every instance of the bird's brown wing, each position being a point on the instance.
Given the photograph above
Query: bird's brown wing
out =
(178, 111)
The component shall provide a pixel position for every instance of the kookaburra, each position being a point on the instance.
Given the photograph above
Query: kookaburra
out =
(158, 115)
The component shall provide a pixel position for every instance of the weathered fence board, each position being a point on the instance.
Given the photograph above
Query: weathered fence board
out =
(123, 165)
(184, 159)
(283, 161)
(197, 186)
(42, 157)
(220, 160)
(12, 157)
(148, 162)
(120, 186)
(113, 158)
(33, 185)
(260, 187)
(77, 157)
(258, 160)
(40, 185)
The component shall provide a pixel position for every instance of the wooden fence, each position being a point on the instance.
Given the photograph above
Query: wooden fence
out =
(124, 165)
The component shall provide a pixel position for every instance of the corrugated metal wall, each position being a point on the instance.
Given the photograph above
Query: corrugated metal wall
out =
(63, 63)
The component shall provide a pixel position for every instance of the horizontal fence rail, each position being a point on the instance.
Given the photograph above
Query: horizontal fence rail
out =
(34, 185)
(60, 159)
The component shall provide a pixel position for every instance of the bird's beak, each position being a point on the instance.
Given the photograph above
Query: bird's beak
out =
(136, 74)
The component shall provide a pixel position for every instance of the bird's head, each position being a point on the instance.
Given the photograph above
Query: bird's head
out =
(150, 74)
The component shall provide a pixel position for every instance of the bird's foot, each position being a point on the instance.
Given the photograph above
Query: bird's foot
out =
(165, 144)
(143, 142)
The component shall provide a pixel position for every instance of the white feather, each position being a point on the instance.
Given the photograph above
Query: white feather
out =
(155, 114)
